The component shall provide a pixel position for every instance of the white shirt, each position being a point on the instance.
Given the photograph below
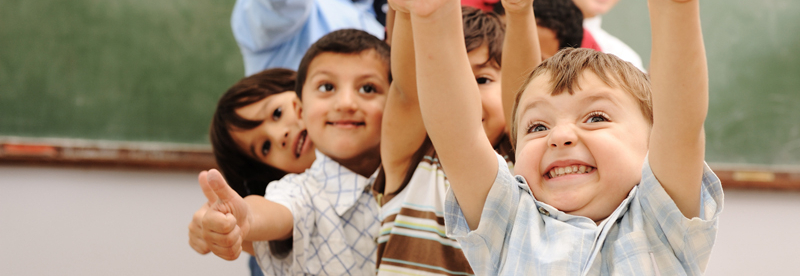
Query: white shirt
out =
(610, 44)
(335, 222)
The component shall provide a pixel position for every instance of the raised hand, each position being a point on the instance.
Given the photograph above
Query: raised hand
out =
(196, 240)
(421, 8)
(513, 6)
(226, 221)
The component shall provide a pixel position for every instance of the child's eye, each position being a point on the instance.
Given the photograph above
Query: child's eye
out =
(265, 148)
(483, 80)
(327, 87)
(536, 127)
(367, 89)
(597, 116)
(276, 115)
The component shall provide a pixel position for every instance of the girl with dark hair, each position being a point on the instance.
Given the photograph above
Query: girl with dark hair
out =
(257, 137)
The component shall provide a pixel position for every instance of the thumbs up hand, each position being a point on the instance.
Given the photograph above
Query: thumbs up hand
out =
(196, 240)
(226, 220)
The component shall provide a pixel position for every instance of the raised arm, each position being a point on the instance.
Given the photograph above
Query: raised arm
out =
(450, 103)
(231, 221)
(259, 24)
(679, 78)
(402, 130)
(521, 52)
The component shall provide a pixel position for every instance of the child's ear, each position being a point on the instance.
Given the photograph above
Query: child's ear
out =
(298, 108)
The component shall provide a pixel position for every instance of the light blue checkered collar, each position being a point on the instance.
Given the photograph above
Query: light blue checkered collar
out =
(342, 187)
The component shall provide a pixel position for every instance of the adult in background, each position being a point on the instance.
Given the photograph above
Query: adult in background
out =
(592, 11)
(277, 33)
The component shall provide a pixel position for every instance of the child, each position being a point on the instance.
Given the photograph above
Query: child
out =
(258, 112)
(583, 130)
(592, 11)
(411, 186)
(559, 25)
(328, 211)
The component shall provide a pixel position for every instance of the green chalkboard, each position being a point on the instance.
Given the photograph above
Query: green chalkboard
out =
(120, 70)
(753, 50)
(152, 70)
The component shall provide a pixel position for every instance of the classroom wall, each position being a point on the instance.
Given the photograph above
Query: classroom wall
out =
(68, 221)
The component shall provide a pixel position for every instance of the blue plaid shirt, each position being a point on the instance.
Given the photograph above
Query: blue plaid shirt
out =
(335, 222)
(645, 235)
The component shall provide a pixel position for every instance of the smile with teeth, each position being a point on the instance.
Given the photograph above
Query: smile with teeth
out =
(574, 169)
(300, 142)
(346, 123)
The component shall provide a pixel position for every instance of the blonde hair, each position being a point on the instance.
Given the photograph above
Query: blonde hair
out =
(567, 66)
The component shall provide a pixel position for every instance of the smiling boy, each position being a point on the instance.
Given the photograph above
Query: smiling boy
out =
(603, 186)
(328, 211)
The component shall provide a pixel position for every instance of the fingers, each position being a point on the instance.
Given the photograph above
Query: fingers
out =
(196, 240)
(221, 235)
(219, 187)
(202, 178)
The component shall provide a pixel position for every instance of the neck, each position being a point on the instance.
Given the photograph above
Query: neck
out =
(363, 164)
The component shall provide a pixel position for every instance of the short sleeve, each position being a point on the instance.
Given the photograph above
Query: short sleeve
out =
(690, 239)
(289, 193)
(488, 241)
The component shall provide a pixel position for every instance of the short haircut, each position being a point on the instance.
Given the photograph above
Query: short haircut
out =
(566, 67)
(563, 17)
(245, 174)
(484, 28)
(345, 41)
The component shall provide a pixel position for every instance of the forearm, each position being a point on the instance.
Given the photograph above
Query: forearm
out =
(259, 24)
(403, 131)
(268, 220)
(521, 53)
(679, 79)
(451, 106)
(679, 71)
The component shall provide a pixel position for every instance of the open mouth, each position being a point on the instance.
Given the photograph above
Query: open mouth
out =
(301, 142)
(346, 124)
(567, 170)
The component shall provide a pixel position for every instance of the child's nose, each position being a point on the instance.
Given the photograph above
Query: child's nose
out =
(345, 101)
(562, 137)
(285, 137)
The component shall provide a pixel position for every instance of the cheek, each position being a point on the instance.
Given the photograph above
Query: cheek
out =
(529, 156)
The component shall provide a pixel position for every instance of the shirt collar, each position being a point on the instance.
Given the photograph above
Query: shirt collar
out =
(592, 23)
(339, 185)
(547, 210)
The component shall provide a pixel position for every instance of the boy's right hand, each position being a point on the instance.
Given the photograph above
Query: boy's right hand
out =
(421, 8)
(515, 6)
(226, 222)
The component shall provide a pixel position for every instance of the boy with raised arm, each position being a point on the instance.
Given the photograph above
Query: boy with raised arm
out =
(611, 180)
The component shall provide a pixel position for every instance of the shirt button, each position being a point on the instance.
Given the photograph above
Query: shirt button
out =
(543, 211)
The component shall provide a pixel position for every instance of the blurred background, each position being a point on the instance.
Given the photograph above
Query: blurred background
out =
(105, 107)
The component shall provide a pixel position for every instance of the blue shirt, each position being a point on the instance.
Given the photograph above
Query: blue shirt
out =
(646, 235)
(335, 222)
(277, 33)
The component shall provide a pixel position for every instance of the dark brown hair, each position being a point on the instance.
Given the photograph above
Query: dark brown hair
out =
(563, 17)
(566, 67)
(346, 41)
(245, 174)
(483, 28)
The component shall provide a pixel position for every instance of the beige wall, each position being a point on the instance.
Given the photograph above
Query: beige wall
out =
(56, 221)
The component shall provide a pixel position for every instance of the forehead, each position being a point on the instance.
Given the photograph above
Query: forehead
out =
(362, 64)
(479, 58)
(589, 87)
